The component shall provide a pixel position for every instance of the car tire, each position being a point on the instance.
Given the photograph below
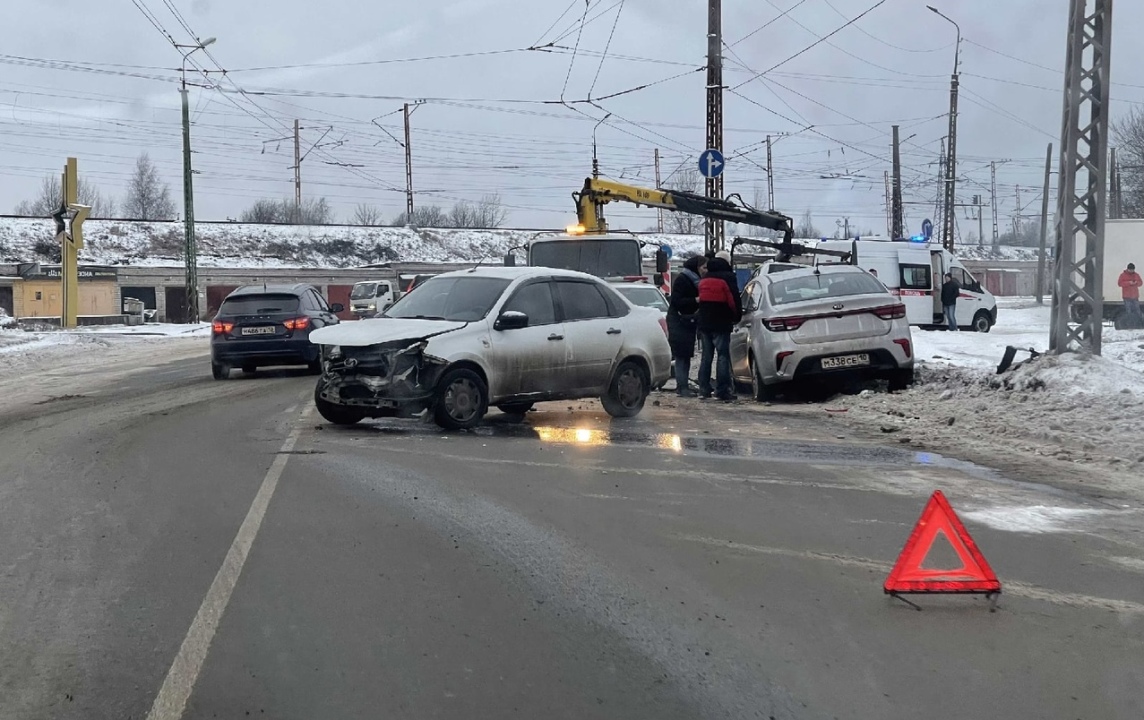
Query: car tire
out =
(462, 400)
(901, 379)
(982, 323)
(220, 371)
(334, 413)
(627, 392)
(760, 390)
(517, 408)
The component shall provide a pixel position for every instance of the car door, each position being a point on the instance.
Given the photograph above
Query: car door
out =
(594, 337)
(741, 334)
(529, 360)
(969, 300)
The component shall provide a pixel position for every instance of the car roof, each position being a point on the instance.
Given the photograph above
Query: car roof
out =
(272, 289)
(634, 286)
(514, 273)
(787, 274)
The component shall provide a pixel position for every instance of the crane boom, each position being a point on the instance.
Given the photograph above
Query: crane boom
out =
(596, 193)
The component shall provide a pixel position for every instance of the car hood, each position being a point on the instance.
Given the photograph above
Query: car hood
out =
(381, 330)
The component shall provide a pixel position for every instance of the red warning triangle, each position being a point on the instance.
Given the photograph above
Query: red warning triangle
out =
(908, 575)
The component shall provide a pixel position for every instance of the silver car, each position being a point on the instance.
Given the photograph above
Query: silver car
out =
(819, 325)
(643, 295)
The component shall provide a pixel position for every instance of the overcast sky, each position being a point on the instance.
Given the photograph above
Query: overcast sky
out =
(493, 122)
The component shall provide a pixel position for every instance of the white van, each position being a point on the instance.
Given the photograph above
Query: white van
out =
(915, 271)
(370, 297)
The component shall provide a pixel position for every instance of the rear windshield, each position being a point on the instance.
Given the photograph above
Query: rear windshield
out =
(362, 291)
(259, 305)
(602, 258)
(826, 285)
(645, 296)
(463, 299)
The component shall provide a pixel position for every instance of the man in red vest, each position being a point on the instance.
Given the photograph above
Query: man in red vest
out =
(1130, 283)
(720, 308)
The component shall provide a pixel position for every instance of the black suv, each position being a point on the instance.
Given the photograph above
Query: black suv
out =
(261, 325)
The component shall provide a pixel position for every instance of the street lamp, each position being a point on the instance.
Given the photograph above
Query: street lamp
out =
(190, 250)
(949, 220)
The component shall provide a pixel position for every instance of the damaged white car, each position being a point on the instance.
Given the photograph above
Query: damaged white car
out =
(506, 337)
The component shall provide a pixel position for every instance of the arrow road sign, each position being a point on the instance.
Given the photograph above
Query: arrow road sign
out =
(711, 163)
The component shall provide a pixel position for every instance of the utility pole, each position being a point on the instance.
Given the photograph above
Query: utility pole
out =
(713, 229)
(770, 178)
(1113, 186)
(993, 201)
(940, 202)
(408, 169)
(889, 211)
(297, 170)
(897, 230)
(980, 207)
(1044, 227)
(1078, 290)
(190, 247)
(658, 211)
(949, 226)
(1017, 217)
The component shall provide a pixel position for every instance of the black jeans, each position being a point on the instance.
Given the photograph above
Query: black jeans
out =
(712, 343)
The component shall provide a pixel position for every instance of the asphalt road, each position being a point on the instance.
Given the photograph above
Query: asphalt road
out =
(171, 546)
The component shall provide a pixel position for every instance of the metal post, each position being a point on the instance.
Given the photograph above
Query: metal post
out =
(190, 251)
(408, 169)
(713, 228)
(770, 178)
(658, 211)
(980, 220)
(993, 202)
(1078, 302)
(898, 229)
(1044, 227)
(889, 211)
(950, 220)
(69, 253)
(1017, 217)
(941, 178)
(1114, 199)
(297, 171)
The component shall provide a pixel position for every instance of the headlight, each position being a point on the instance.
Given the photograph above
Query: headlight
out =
(371, 307)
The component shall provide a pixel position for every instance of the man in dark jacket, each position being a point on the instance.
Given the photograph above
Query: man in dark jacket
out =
(949, 292)
(720, 309)
(682, 317)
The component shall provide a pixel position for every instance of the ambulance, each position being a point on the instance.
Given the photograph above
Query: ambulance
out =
(914, 270)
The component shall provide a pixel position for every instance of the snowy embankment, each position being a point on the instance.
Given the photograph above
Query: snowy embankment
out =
(1074, 408)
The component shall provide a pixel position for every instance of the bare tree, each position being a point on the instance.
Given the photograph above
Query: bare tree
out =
(679, 223)
(365, 214)
(50, 198)
(1128, 137)
(148, 197)
(485, 213)
(805, 227)
(424, 216)
(262, 211)
(315, 211)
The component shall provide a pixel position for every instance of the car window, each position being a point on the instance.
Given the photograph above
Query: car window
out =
(916, 277)
(581, 300)
(322, 304)
(363, 291)
(535, 301)
(645, 296)
(603, 258)
(963, 278)
(462, 298)
(824, 285)
(267, 304)
(616, 306)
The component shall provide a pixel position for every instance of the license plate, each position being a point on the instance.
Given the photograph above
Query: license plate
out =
(266, 330)
(845, 361)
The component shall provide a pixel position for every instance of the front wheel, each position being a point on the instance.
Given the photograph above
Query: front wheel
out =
(982, 323)
(628, 391)
(334, 413)
(462, 400)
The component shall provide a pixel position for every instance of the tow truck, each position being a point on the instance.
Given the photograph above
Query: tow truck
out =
(590, 247)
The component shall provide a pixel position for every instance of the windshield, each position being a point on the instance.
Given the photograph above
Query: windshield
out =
(363, 291)
(462, 299)
(602, 258)
(826, 285)
(644, 296)
(259, 305)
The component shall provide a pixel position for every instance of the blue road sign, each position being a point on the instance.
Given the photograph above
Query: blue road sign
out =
(927, 228)
(711, 163)
(666, 250)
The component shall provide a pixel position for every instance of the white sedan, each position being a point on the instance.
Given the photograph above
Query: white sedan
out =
(507, 337)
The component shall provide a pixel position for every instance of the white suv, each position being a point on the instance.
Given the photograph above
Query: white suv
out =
(507, 337)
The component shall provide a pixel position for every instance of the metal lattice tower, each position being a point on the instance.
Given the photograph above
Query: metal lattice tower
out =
(1078, 301)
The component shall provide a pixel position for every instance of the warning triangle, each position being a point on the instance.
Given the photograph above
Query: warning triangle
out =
(938, 519)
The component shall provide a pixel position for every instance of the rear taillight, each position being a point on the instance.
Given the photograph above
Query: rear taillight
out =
(663, 324)
(780, 357)
(299, 323)
(891, 312)
(221, 327)
(783, 324)
(905, 345)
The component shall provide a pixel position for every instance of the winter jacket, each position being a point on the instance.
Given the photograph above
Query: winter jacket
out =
(1130, 283)
(681, 314)
(720, 306)
(949, 292)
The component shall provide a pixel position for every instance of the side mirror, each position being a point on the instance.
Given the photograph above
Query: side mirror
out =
(510, 260)
(337, 307)
(511, 320)
(660, 261)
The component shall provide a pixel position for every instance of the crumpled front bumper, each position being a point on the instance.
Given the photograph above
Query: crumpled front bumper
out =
(390, 377)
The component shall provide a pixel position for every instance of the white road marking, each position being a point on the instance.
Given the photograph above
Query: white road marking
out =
(180, 681)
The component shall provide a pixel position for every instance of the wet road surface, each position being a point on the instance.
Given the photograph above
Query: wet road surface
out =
(216, 546)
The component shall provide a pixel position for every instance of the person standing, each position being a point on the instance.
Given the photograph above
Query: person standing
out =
(720, 308)
(949, 292)
(1130, 283)
(682, 321)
